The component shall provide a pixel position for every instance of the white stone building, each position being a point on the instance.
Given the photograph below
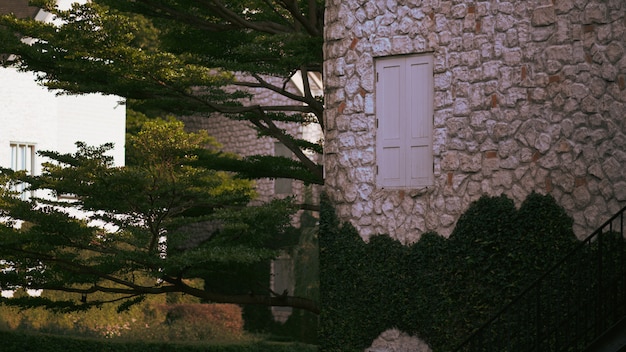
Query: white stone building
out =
(431, 104)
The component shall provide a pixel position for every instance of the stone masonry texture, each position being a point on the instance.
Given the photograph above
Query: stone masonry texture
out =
(241, 138)
(529, 95)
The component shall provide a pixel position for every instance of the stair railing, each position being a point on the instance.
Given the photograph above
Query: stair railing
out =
(590, 298)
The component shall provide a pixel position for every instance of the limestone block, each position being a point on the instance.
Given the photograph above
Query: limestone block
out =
(512, 56)
(503, 178)
(543, 143)
(563, 7)
(604, 34)
(595, 12)
(470, 163)
(442, 81)
(543, 16)
(549, 161)
(581, 197)
(381, 47)
(606, 189)
(396, 341)
(450, 161)
(620, 191)
(510, 163)
(609, 71)
(563, 33)
(561, 53)
(590, 104)
(613, 169)
(541, 34)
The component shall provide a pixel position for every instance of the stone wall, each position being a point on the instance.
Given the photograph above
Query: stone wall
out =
(529, 95)
(394, 340)
(241, 138)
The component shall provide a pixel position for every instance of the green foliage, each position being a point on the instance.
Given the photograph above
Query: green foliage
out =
(147, 228)
(301, 325)
(179, 57)
(18, 342)
(439, 289)
(152, 319)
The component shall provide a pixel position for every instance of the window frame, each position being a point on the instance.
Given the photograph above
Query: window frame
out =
(23, 155)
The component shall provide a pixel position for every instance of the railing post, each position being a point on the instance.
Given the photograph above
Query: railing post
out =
(599, 310)
(538, 317)
(589, 297)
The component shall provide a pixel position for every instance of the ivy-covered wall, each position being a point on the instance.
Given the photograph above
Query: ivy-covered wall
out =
(438, 289)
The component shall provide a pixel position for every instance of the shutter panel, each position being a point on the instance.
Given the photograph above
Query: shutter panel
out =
(420, 111)
(391, 137)
(404, 109)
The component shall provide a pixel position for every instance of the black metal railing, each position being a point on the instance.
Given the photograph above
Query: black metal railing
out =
(570, 305)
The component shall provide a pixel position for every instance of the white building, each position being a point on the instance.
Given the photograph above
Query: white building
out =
(32, 118)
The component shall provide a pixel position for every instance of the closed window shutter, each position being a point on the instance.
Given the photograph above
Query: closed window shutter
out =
(420, 117)
(404, 112)
(391, 136)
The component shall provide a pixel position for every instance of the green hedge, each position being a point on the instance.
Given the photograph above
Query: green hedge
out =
(301, 326)
(439, 289)
(27, 342)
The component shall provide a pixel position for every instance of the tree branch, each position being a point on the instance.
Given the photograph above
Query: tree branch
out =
(224, 12)
(236, 21)
(316, 106)
(308, 24)
(273, 130)
(313, 105)
(266, 300)
(171, 13)
(175, 285)
(267, 126)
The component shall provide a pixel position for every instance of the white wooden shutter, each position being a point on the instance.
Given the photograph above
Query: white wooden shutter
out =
(420, 120)
(404, 112)
(389, 112)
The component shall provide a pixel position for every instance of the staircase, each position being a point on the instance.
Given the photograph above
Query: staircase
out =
(612, 340)
(586, 314)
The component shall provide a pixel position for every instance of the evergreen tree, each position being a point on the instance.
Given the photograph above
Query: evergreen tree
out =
(151, 227)
(187, 57)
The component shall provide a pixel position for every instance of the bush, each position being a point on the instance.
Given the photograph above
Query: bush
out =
(439, 289)
(150, 320)
(25, 342)
(192, 322)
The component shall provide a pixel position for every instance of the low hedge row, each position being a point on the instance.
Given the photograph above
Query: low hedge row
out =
(439, 289)
(28, 342)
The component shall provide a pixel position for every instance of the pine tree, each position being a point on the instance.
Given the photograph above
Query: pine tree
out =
(151, 227)
(187, 57)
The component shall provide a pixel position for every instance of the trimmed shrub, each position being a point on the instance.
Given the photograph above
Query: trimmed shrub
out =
(21, 342)
(439, 289)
